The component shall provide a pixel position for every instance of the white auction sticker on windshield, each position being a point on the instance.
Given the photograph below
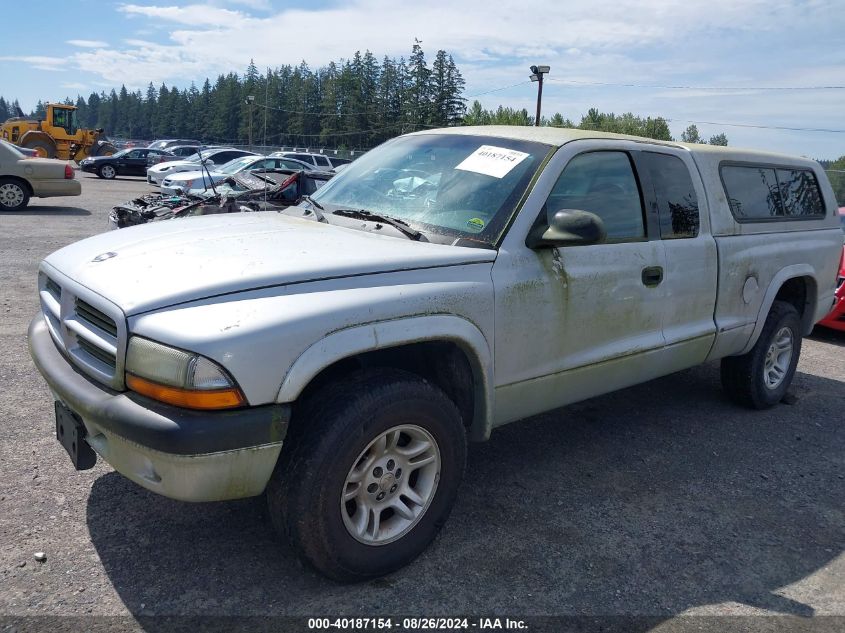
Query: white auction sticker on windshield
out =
(492, 161)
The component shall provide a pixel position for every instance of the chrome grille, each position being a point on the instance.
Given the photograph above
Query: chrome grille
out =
(95, 317)
(89, 330)
(100, 354)
(54, 289)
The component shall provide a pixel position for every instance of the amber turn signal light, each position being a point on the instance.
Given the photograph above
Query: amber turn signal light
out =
(189, 399)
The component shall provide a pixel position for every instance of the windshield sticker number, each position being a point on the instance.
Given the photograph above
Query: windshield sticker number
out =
(492, 161)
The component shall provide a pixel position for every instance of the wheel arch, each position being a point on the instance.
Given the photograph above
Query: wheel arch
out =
(450, 351)
(37, 135)
(24, 182)
(796, 285)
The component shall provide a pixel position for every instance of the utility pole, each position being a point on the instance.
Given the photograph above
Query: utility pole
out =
(250, 101)
(537, 73)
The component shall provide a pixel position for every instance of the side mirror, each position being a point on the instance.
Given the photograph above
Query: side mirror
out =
(207, 161)
(568, 227)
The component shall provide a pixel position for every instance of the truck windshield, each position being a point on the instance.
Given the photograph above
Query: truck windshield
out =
(456, 185)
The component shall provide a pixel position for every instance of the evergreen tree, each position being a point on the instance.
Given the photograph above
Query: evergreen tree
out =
(719, 139)
(691, 135)
(418, 101)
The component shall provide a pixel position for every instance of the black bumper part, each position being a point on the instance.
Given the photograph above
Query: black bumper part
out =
(148, 422)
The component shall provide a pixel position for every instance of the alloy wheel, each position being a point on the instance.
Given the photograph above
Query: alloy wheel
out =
(390, 485)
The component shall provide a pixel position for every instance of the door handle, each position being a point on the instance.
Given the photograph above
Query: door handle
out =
(652, 276)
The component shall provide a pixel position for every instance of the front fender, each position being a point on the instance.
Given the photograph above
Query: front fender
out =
(350, 341)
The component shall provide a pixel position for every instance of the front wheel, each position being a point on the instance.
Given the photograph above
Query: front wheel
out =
(760, 378)
(107, 171)
(369, 474)
(104, 149)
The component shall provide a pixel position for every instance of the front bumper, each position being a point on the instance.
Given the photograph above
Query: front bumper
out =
(171, 190)
(179, 453)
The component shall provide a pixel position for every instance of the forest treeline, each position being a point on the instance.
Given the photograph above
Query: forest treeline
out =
(353, 103)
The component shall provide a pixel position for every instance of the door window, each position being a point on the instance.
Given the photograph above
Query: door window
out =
(602, 183)
(677, 203)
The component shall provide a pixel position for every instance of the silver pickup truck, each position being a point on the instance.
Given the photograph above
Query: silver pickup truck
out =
(338, 355)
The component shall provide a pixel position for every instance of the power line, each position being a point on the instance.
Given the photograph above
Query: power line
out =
(760, 127)
(481, 94)
(673, 87)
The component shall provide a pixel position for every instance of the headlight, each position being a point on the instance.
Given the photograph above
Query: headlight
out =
(177, 377)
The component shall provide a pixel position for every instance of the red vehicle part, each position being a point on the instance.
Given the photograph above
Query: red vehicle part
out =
(836, 318)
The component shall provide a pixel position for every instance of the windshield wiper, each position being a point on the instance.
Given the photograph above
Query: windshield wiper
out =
(314, 206)
(396, 223)
(313, 202)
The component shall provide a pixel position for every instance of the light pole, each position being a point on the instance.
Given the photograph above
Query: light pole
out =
(537, 73)
(250, 100)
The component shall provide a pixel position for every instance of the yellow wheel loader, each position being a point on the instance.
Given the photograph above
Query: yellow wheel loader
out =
(57, 136)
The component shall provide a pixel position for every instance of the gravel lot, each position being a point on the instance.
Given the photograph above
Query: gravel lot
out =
(661, 500)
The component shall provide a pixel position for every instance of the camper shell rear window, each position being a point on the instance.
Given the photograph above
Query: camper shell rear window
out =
(770, 193)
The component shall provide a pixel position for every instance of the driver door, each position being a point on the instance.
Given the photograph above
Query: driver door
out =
(128, 164)
(577, 321)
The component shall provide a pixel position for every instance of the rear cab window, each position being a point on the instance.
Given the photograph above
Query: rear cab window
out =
(677, 202)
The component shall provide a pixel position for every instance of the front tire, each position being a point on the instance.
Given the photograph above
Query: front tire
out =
(104, 149)
(107, 171)
(369, 474)
(760, 378)
(14, 195)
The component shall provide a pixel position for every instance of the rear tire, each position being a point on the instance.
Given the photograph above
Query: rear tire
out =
(44, 148)
(14, 195)
(761, 378)
(348, 454)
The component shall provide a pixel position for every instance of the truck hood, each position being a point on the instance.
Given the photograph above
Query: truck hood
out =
(160, 264)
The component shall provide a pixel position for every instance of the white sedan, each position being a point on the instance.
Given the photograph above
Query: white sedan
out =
(213, 158)
(196, 182)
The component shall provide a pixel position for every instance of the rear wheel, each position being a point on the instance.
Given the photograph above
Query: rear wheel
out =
(44, 148)
(369, 474)
(761, 378)
(14, 194)
(107, 171)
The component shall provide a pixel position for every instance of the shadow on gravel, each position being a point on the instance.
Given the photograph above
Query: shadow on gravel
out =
(47, 210)
(646, 502)
(126, 178)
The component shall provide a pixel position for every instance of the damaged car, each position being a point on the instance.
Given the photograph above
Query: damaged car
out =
(337, 356)
(262, 190)
(198, 181)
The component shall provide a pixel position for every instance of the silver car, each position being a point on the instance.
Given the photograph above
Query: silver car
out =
(23, 177)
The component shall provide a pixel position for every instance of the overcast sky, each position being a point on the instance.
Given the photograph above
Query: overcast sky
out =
(741, 46)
